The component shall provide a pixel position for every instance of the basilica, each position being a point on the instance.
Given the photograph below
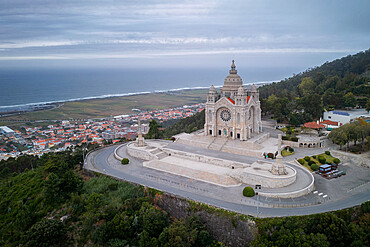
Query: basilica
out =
(234, 112)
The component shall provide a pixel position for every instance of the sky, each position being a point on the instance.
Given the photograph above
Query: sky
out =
(177, 34)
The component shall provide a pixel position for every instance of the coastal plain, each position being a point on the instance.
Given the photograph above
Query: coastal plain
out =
(113, 106)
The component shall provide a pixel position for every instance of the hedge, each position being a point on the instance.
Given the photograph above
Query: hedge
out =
(327, 152)
(248, 191)
(322, 160)
(336, 161)
(125, 161)
(315, 167)
(307, 158)
(301, 161)
(311, 162)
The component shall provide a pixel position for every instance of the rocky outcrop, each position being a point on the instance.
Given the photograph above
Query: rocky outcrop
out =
(227, 227)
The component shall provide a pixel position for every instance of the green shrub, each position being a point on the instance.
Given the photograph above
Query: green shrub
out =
(336, 161)
(46, 233)
(291, 149)
(315, 167)
(311, 162)
(113, 186)
(285, 138)
(301, 161)
(125, 161)
(307, 158)
(314, 156)
(322, 160)
(248, 191)
(327, 152)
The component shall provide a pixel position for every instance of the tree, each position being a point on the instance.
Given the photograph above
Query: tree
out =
(307, 86)
(338, 136)
(46, 233)
(153, 220)
(312, 105)
(153, 132)
(60, 186)
(349, 100)
(364, 131)
(146, 241)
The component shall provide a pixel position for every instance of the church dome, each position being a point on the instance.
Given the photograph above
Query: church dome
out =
(233, 79)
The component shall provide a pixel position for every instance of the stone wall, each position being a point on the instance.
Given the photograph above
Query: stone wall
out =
(272, 181)
(204, 159)
(291, 144)
(223, 225)
(242, 151)
(139, 152)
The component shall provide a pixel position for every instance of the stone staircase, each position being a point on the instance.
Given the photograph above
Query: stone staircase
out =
(162, 155)
(217, 144)
(159, 153)
(155, 151)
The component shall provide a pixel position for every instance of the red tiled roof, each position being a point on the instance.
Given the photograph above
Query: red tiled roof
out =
(329, 122)
(313, 125)
(232, 101)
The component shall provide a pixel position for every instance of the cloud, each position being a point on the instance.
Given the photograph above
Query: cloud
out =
(154, 54)
(99, 29)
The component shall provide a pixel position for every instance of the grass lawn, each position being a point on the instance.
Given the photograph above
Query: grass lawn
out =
(328, 158)
(98, 108)
(284, 153)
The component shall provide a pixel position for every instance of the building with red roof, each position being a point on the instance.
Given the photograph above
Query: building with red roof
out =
(313, 125)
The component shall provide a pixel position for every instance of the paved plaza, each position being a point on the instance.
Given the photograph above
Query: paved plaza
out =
(209, 184)
(343, 192)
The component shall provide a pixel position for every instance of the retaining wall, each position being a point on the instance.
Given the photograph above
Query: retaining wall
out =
(247, 177)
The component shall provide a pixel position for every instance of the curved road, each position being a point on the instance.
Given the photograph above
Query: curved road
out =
(103, 161)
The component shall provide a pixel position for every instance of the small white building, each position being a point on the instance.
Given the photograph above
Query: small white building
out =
(7, 131)
(343, 117)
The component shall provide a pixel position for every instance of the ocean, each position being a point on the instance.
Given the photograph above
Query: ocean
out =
(24, 88)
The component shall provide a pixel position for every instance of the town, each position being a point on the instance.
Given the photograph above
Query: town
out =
(66, 134)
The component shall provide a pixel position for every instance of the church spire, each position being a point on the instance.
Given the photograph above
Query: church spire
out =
(233, 70)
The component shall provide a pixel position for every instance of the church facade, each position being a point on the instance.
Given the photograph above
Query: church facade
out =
(234, 112)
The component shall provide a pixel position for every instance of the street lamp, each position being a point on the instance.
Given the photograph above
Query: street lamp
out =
(257, 187)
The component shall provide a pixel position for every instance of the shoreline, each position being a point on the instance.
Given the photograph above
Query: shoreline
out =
(11, 110)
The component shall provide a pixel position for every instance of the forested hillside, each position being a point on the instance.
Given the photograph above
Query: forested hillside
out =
(188, 125)
(334, 85)
(345, 228)
(52, 205)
